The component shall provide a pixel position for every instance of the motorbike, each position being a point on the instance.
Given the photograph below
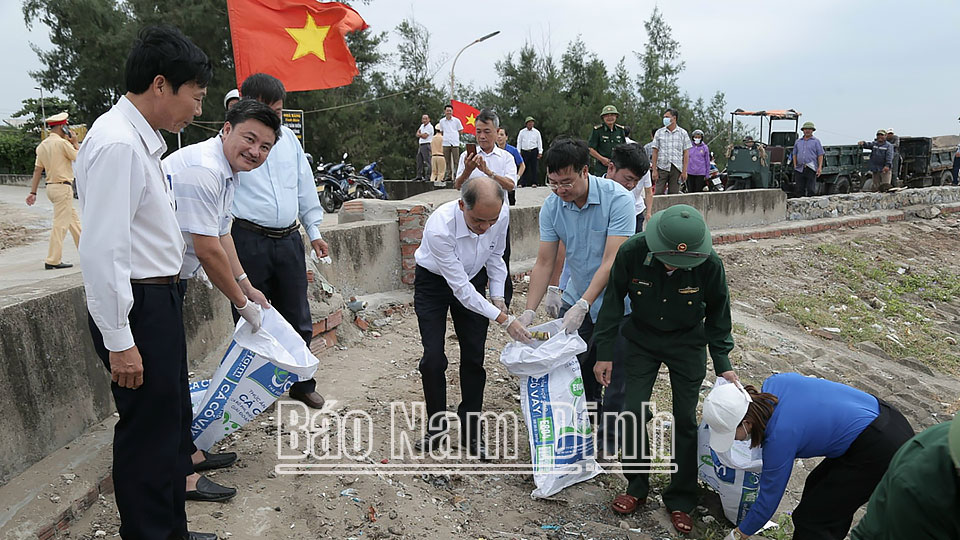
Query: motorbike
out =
(332, 185)
(375, 178)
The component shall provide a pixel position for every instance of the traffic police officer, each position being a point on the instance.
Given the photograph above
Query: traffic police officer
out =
(605, 137)
(680, 307)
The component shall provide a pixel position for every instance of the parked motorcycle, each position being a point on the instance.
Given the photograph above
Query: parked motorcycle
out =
(375, 178)
(332, 184)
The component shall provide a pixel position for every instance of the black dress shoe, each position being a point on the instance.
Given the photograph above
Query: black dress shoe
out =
(430, 441)
(313, 399)
(210, 491)
(476, 449)
(215, 461)
(201, 536)
(56, 266)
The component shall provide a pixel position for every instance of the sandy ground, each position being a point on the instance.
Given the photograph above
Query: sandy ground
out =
(381, 366)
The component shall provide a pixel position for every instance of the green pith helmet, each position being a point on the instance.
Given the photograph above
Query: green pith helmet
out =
(609, 109)
(678, 236)
(954, 440)
(808, 125)
(529, 119)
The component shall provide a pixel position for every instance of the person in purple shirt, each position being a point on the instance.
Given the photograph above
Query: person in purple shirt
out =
(803, 417)
(698, 168)
(807, 158)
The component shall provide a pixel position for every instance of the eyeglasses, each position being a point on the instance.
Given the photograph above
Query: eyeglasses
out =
(557, 187)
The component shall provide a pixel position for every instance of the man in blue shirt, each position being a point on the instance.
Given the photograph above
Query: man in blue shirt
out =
(267, 203)
(881, 161)
(592, 217)
(807, 158)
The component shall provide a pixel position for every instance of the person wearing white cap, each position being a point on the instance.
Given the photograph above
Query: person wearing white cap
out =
(56, 155)
(231, 99)
(804, 417)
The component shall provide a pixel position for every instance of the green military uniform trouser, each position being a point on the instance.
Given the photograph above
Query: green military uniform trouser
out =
(684, 353)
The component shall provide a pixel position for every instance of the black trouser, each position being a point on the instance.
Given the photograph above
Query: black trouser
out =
(609, 436)
(508, 284)
(640, 217)
(277, 268)
(423, 162)
(837, 487)
(956, 169)
(152, 441)
(432, 298)
(806, 181)
(529, 177)
(587, 359)
(696, 183)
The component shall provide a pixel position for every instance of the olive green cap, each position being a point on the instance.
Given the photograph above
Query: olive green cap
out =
(678, 236)
(609, 109)
(808, 125)
(529, 119)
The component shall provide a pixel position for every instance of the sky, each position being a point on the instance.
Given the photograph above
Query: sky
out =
(851, 67)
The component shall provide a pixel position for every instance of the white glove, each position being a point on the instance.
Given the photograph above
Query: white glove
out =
(252, 313)
(574, 317)
(526, 318)
(553, 301)
(516, 330)
(499, 302)
(201, 276)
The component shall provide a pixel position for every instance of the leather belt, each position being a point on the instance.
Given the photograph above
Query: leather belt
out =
(58, 183)
(269, 232)
(165, 280)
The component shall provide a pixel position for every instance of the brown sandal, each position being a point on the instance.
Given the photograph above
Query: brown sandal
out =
(681, 522)
(626, 504)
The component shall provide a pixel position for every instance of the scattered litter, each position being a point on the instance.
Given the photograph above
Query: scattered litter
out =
(372, 513)
(549, 527)
(349, 492)
(100, 533)
(950, 340)
(832, 329)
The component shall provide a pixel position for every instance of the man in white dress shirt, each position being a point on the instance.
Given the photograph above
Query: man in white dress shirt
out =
(493, 162)
(131, 253)
(203, 175)
(424, 134)
(530, 144)
(452, 128)
(461, 251)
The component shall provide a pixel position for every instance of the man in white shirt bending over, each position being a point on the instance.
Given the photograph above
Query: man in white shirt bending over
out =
(461, 251)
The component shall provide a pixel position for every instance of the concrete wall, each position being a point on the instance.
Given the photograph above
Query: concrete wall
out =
(732, 209)
(524, 232)
(402, 189)
(860, 203)
(366, 257)
(54, 385)
(15, 179)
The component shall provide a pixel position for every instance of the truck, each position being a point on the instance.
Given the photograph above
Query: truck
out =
(768, 165)
(924, 163)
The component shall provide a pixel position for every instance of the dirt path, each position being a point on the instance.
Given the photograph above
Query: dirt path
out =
(768, 280)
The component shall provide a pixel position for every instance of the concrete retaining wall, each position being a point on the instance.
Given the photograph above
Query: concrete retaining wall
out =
(860, 203)
(402, 189)
(732, 209)
(54, 385)
(366, 257)
(15, 179)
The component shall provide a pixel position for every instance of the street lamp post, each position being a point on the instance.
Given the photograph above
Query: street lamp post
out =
(43, 113)
(474, 42)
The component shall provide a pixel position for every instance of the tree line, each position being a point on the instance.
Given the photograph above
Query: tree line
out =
(565, 94)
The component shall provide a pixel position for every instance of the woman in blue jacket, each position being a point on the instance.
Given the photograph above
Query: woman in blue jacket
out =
(803, 417)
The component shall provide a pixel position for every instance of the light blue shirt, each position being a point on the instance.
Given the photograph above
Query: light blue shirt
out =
(608, 212)
(276, 193)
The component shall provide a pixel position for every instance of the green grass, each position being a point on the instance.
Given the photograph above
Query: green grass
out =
(854, 278)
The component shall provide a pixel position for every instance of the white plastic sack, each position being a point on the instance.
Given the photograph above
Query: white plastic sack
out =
(554, 409)
(256, 369)
(734, 474)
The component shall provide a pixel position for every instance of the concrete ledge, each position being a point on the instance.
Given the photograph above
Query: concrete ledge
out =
(729, 209)
(366, 257)
(15, 179)
(794, 228)
(402, 189)
(55, 385)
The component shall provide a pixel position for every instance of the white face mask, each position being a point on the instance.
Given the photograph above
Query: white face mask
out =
(696, 140)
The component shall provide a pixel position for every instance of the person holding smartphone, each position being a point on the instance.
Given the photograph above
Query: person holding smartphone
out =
(56, 155)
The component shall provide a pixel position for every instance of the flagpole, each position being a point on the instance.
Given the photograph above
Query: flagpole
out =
(474, 42)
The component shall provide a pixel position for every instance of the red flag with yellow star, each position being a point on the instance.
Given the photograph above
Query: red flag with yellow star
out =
(300, 42)
(467, 115)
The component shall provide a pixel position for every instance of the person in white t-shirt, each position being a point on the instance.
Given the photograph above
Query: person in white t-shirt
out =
(452, 129)
(424, 134)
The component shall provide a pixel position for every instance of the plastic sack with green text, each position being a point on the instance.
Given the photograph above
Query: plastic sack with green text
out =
(554, 409)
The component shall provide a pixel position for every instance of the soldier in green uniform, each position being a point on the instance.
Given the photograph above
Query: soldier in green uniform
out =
(680, 307)
(605, 137)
